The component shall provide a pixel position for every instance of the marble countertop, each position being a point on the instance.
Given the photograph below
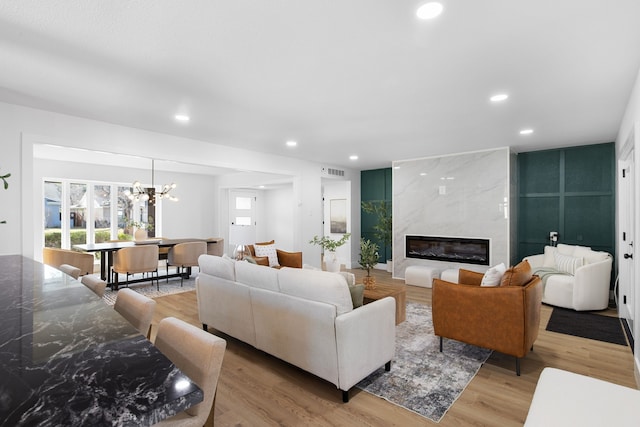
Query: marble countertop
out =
(67, 358)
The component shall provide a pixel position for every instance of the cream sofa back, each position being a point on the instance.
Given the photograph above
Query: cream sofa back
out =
(321, 286)
(257, 276)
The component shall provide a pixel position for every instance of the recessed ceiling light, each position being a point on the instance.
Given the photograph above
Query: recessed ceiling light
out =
(429, 10)
(423, 174)
(291, 143)
(182, 117)
(526, 131)
(499, 97)
(353, 157)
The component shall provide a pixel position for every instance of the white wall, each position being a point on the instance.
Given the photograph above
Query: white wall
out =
(630, 121)
(21, 128)
(338, 190)
(278, 219)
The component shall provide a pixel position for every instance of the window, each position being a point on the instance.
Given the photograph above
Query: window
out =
(88, 208)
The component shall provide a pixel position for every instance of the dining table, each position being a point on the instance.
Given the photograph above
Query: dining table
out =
(107, 249)
(69, 359)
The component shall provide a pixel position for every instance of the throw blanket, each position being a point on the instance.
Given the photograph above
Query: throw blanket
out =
(545, 272)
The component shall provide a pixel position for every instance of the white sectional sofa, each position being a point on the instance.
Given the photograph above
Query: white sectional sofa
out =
(573, 277)
(301, 316)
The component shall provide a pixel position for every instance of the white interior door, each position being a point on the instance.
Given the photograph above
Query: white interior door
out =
(626, 239)
(242, 217)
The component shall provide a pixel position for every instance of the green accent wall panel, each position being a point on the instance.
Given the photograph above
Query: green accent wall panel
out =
(571, 191)
(375, 185)
(588, 220)
(539, 172)
(589, 169)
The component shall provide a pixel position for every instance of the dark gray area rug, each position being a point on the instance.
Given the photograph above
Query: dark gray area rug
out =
(422, 379)
(586, 325)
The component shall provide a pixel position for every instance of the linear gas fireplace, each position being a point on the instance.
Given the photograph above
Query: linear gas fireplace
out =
(450, 249)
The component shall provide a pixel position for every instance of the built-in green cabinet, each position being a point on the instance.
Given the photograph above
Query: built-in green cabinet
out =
(375, 186)
(570, 191)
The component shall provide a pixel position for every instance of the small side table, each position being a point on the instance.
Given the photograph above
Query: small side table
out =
(399, 292)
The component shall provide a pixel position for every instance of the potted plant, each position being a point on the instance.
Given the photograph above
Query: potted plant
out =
(368, 260)
(383, 230)
(329, 246)
(5, 183)
(141, 229)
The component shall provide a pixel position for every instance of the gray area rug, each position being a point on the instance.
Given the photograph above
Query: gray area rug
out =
(422, 379)
(149, 290)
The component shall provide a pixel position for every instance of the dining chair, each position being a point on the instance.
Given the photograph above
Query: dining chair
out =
(136, 308)
(198, 354)
(70, 270)
(94, 283)
(185, 255)
(136, 259)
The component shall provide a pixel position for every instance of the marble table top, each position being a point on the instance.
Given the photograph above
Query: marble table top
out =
(67, 358)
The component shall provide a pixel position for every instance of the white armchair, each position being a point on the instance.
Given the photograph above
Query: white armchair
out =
(573, 276)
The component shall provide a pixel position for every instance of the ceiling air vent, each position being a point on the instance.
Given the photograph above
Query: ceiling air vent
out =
(332, 172)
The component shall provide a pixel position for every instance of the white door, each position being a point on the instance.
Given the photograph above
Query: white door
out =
(626, 239)
(242, 217)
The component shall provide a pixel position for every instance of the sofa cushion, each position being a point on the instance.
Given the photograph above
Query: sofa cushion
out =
(357, 295)
(493, 276)
(519, 275)
(223, 267)
(268, 251)
(567, 264)
(257, 276)
(549, 259)
(321, 286)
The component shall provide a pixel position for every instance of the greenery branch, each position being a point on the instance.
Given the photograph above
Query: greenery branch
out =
(328, 244)
(383, 229)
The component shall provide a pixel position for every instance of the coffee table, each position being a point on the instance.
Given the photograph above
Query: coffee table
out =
(399, 292)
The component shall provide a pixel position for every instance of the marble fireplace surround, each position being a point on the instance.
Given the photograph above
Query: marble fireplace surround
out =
(458, 195)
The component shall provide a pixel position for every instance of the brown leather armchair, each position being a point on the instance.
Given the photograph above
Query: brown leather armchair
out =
(504, 318)
(285, 259)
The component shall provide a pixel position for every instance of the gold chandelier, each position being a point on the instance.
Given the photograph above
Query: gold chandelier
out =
(141, 194)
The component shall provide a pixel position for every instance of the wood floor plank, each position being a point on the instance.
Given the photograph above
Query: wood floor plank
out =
(256, 389)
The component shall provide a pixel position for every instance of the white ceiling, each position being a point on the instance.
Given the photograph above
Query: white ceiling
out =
(358, 77)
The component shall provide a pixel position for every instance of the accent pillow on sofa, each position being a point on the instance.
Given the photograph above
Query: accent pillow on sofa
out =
(268, 251)
(493, 275)
(568, 264)
(357, 295)
(519, 275)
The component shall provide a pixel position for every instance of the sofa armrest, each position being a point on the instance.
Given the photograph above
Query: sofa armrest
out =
(366, 339)
(591, 286)
(535, 261)
(289, 259)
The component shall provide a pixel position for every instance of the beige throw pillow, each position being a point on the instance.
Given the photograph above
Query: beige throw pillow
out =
(493, 275)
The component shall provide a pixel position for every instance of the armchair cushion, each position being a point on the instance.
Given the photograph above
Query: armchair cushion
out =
(269, 251)
(285, 259)
(519, 275)
(493, 276)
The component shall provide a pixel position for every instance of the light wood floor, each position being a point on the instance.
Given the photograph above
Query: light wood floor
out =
(256, 389)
